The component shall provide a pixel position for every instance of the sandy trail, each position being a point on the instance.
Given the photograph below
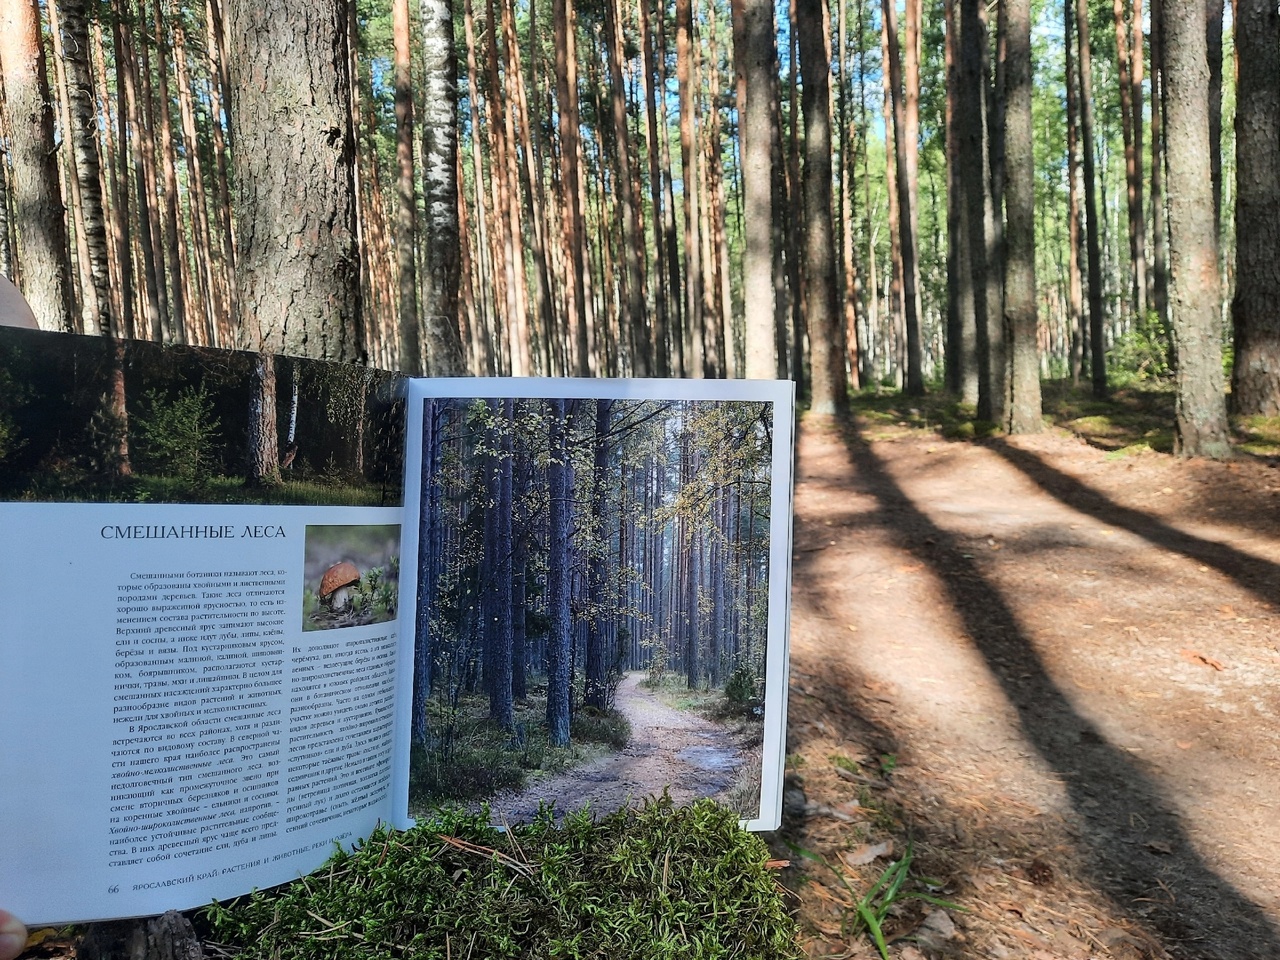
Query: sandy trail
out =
(687, 754)
(1071, 659)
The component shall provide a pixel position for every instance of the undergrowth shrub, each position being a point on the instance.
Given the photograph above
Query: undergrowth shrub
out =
(601, 726)
(659, 883)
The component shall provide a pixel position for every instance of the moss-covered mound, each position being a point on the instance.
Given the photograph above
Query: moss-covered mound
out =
(650, 884)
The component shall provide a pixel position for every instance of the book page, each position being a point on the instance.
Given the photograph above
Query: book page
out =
(190, 711)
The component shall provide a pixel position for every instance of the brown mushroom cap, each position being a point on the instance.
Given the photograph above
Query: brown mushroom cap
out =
(340, 575)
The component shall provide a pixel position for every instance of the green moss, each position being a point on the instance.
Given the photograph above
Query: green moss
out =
(659, 883)
(1262, 436)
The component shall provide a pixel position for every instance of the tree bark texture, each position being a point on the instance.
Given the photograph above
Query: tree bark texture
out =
(440, 270)
(406, 196)
(1093, 230)
(297, 266)
(906, 183)
(829, 394)
(1201, 411)
(1024, 413)
(975, 173)
(1255, 310)
(37, 197)
(759, 60)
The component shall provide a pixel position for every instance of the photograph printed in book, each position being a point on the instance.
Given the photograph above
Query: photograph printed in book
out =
(598, 613)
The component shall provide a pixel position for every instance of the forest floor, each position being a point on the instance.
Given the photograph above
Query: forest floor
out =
(1052, 667)
(692, 755)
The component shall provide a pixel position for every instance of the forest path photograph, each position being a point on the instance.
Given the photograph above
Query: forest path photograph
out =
(1052, 671)
(693, 756)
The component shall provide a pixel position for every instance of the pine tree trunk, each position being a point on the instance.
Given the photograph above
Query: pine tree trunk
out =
(531, 172)
(567, 110)
(559, 640)
(658, 339)
(791, 215)
(1255, 378)
(976, 188)
(1159, 226)
(174, 239)
(1075, 289)
(218, 91)
(298, 280)
(1132, 165)
(632, 232)
(132, 145)
(852, 286)
(1201, 412)
(829, 395)
(1136, 75)
(694, 319)
(42, 251)
(1213, 54)
(410, 344)
(114, 134)
(907, 180)
(962, 359)
(209, 271)
(596, 688)
(480, 341)
(1024, 414)
(1097, 348)
(893, 334)
(758, 58)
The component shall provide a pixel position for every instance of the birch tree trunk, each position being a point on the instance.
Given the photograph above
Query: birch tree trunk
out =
(441, 273)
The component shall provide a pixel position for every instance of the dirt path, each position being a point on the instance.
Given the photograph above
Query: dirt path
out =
(668, 747)
(1070, 664)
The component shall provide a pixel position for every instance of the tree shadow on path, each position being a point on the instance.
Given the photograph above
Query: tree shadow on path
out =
(1133, 845)
(1259, 577)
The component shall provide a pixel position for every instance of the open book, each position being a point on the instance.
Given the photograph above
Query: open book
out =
(254, 606)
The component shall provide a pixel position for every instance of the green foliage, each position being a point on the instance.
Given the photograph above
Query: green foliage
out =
(1141, 354)
(1261, 436)
(872, 908)
(601, 726)
(658, 883)
(13, 394)
(177, 436)
(476, 769)
(740, 689)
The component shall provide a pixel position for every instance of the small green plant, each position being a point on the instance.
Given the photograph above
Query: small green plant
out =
(601, 726)
(740, 689)
(1142, 353)
(177, 436)
(845, 763)
(870, 909)
(888, 763)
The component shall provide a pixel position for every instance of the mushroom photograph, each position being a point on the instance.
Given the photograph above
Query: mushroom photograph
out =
(352, 576)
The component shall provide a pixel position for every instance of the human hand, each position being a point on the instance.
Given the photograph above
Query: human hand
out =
(13, 936)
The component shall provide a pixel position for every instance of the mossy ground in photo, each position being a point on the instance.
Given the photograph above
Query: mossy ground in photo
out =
(658, 883)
